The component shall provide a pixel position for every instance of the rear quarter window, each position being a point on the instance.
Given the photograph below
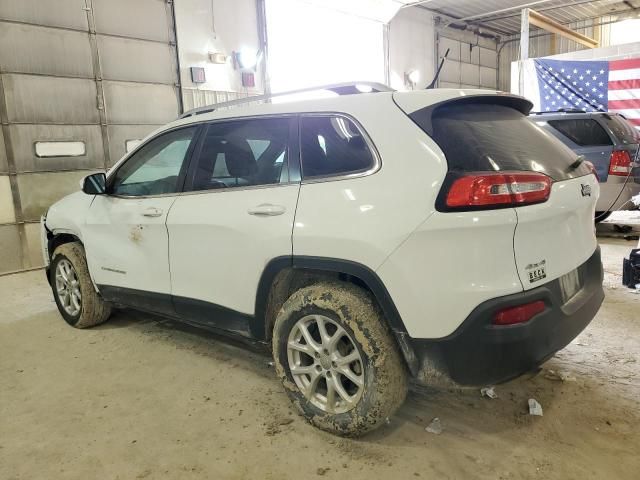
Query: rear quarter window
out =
(623, 130)
(585, 132)
(486, 137)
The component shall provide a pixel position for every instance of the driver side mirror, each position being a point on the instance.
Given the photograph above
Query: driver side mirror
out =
(95, 184)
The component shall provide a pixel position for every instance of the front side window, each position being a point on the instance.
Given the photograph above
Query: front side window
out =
(585, 132)
(155, 168)
(332, 145)
(242, 153)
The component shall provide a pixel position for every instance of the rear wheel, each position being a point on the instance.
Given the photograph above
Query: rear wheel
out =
(78, 302)
(337, 358)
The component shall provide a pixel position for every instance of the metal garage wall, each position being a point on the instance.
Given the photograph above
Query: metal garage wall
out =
(469, 64)
(96, 71)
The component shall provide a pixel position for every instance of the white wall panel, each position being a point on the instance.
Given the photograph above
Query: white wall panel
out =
(131, 103)
(470, 74)
(138, 19)
(136, 60)
(411, 46)
(59, 13)
(40, 99)
(3, 154)
(43, 50)
(23, 138)
(7, 213)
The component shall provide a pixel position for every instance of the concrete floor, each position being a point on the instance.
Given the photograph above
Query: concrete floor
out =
(141, 397)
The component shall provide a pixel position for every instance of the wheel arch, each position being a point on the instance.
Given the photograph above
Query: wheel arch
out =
(283, 275)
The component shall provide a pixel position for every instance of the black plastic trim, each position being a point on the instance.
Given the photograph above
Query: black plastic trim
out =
(480, 353)
(333, 265)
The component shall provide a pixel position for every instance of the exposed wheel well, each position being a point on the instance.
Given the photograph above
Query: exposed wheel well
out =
(284, 276)
(289, 280)
(54, 241)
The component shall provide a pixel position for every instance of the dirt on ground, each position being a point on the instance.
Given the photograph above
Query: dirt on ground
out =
(142, 397)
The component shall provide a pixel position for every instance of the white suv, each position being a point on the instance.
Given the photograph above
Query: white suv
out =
(369, 237)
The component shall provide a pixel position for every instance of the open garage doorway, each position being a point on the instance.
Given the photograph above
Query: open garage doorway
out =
(311, 45)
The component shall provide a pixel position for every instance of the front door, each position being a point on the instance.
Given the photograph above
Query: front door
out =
(237, 216)
(127, 241)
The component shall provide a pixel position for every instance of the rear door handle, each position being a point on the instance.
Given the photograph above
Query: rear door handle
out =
(152, 212)
(267, 210)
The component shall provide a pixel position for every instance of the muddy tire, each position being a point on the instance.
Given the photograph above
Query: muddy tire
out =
(337, 358)
(77, 300)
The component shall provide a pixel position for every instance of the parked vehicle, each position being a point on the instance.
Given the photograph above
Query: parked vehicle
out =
(610, 143)
(367, 238)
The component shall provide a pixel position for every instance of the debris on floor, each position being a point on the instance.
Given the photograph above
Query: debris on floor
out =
(535, 408)
(434, 427)
(559, 376)
(322, 470)
(488, 392)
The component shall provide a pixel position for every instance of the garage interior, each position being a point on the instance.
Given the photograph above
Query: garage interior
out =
(83, 82)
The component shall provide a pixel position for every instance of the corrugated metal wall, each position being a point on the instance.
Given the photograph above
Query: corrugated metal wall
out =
(96, 71)
(541, 46)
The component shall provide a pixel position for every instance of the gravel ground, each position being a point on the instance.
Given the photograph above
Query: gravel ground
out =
(141, 397)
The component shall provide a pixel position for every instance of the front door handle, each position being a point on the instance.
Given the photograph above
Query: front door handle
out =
(152, 212)
(267, 210)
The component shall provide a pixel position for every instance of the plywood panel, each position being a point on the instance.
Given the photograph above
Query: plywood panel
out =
(42, 50)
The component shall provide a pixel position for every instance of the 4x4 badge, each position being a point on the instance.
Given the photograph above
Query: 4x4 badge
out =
(586, 190)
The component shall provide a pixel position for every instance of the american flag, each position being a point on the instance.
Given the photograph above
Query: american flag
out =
(593, 86)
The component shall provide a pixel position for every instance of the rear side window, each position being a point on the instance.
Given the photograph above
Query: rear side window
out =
(332, 145)
(585, 132)
(622, 129)
(243, 153)
(484, 137)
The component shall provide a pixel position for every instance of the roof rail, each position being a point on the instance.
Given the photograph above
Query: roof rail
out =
(347, 88)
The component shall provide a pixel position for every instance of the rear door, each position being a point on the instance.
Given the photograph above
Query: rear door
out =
(585, 136)
(236, 215)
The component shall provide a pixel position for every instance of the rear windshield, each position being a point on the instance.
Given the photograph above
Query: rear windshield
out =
(624, 132)
(499, 138)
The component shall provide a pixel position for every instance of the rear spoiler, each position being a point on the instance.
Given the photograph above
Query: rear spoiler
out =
(424, 116)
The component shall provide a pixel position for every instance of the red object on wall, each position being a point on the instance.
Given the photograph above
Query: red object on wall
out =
(248, 79)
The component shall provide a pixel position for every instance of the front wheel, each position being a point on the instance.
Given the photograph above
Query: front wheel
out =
(337, 359)
(78, 302)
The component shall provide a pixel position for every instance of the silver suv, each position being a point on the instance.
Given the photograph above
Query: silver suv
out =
(610, 143)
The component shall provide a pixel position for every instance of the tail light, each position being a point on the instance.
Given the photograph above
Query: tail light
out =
(592, 168)
(519, 314)
(478, 191)
(620, 163)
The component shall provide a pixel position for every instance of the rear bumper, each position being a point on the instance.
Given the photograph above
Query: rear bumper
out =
(480, 353)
